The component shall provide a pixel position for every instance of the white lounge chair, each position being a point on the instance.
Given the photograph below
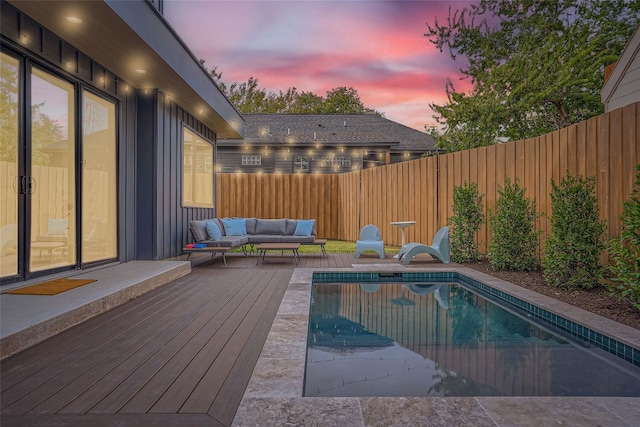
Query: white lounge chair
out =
(370, 239)
(439, 248)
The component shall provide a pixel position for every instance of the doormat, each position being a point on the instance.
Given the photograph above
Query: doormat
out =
(52, 287)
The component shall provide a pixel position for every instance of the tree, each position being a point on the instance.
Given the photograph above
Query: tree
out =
(514, 238)
(575, 240)
(44, 130)
(8, 112)
(306, 102)
(535, 66)
(467, 218)
(248, 97)
(624, 250)
(344, 100)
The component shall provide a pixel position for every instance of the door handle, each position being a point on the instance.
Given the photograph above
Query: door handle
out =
(31, 185)
(18, 187)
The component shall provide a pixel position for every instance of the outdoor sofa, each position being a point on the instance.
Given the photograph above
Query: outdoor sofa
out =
(239, 232)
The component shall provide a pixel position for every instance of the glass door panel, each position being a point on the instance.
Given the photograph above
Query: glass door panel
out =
(9, 68)
(99, 179)
(52, 178)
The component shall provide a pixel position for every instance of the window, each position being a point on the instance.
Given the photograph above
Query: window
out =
(251, 160)
(336, 161)
(197, 183)
(301, 164)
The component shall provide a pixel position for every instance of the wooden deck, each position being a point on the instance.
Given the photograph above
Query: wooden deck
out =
(180, 355)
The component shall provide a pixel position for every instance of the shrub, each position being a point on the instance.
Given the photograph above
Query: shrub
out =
(514, 240)
(575, 240)
(624, 250)
(466, 220)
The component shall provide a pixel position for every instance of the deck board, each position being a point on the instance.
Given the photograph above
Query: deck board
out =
(155, 374)
(71, 374)
(181, 354)
(32, 360)
(116, 389)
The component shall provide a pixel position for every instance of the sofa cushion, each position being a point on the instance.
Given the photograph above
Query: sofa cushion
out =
(235, 227)
(271, 226)
(265, 238)
(220, 226)
(304, 227)
(228, 241)
(198, 229)
(291, 227)
(213, 230)
(251, 225)
(298, 239)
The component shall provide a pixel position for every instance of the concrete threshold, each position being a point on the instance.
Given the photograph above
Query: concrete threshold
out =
(26, 320)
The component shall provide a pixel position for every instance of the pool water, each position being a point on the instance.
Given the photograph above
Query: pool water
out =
(442, 339)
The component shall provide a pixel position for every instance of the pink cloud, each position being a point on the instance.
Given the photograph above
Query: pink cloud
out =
(376, 47)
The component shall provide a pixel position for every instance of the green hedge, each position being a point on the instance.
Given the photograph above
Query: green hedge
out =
(575, 241)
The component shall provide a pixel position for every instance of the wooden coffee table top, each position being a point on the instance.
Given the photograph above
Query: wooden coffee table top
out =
(278, 246)
(207, 249)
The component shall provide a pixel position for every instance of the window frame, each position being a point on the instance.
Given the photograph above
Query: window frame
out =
(301, 163)
(251, 160)
(207, 168)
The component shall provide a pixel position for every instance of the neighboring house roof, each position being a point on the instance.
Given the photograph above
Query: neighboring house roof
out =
(623, 85)
(331, 129)
(134, 41)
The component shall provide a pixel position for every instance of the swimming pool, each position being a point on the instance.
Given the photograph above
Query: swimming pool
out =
(394, 335)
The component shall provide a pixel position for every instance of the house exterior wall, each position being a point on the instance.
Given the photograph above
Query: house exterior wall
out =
(627, 91)
(622, 80)
(281, 160)
(152, 223)
(161, 219)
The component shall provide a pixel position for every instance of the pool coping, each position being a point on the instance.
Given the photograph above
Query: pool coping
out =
(274, 393)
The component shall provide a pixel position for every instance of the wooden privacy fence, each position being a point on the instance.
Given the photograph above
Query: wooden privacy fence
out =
(606, 147)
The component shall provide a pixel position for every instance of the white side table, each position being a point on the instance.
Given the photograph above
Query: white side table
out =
(402, 225)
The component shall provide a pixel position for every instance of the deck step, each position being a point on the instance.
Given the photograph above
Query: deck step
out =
(30, 319)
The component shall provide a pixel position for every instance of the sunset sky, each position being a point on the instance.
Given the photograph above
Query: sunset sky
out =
(376, 47)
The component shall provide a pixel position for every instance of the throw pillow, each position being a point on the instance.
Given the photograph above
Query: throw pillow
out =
(304, 227)
(235, 227)
(213, 231)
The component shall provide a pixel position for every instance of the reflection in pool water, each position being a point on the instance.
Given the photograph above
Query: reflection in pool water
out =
(445, 340)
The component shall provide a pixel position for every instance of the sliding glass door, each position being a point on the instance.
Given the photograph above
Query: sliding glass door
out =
(52, 178)
(56, 138)
(9, 181)
(99, 180)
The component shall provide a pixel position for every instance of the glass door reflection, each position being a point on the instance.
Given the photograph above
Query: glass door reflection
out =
(52, 181)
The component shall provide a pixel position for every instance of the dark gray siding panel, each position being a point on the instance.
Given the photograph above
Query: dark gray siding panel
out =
(127, 177)
(166, 227)
(146, 181)
(230, 158)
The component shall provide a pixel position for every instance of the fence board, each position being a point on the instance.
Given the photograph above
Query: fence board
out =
(602, 178)
(630, 140)
(616, 151)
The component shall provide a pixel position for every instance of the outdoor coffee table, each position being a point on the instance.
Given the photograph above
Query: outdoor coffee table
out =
(321, 243)
(264, 247)
(212, 250)
(46, 246)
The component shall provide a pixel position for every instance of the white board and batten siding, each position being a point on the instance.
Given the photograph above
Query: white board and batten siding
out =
(623, 85)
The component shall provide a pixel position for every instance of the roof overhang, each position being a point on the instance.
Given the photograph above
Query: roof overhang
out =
(128, 36)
